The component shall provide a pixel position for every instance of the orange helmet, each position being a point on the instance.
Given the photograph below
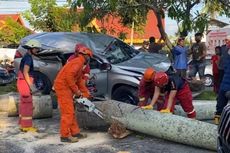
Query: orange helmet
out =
(86, 51)
(161, 79)
(149, 74)
(79, 47)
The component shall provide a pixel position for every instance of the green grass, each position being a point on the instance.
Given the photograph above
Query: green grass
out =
(8, 88)
(206, 95)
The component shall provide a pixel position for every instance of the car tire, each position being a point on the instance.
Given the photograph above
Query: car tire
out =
(208, 80)
(126, 94)
(42, 82)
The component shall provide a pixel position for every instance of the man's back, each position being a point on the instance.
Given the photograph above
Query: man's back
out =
(224, 56)
(154, 47)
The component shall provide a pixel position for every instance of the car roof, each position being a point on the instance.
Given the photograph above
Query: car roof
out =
(66, 41)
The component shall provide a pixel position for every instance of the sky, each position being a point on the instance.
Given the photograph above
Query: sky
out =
(17, 6)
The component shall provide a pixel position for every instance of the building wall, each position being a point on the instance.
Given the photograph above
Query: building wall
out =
(216, 38)
(114, 27)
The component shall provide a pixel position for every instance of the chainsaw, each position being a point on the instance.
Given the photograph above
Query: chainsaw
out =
(89, 106)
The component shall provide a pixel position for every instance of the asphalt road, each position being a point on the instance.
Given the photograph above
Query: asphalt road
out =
(98, 140)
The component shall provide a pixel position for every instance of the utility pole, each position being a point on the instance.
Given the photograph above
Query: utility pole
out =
(132, 34)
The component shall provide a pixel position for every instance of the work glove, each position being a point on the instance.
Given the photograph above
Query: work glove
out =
(165, 111)
(91, 98)
(78, 94)
(148, 107)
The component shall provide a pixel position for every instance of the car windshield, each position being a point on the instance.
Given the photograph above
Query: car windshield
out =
(118, 52)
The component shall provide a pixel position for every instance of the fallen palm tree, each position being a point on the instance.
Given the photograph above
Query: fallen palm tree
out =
(166, 126)
(205, 109)
(42, 105)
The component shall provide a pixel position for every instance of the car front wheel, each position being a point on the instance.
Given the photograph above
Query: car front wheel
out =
(126, 94)
(208, 80)
(42, 83)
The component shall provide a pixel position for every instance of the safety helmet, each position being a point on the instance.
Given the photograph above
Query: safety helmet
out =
(32, 44)
(161, 79)
(149, 74)
(86, 51)
(80, 46)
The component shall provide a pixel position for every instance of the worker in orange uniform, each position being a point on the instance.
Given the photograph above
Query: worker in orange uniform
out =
(69, 83)
(26, 87)
(86, 70)
(176, 88)
(146, 89)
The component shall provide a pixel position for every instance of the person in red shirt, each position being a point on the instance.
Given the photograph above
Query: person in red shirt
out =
(146, 89)
(176, 88)
(215, 62)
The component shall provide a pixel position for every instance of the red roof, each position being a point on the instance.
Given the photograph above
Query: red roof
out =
(114, 27)
(15, 17)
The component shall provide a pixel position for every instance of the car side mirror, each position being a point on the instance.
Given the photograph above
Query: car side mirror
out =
(105, 67)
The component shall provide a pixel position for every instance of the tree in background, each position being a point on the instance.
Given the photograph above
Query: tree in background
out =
(135, 11)
(12, 32)
(45, 15)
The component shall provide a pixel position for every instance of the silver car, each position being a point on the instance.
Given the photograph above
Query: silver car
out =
(116, 67)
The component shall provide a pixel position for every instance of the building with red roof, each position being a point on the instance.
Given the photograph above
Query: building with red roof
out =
(114, 27)
(15, 17)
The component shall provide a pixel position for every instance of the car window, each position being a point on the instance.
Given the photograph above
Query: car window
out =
(94, 64)
(119, 52)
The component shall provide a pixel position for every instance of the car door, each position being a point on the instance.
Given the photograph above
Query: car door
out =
(98, 81)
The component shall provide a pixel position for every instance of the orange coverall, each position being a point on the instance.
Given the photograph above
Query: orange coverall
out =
(68, 83)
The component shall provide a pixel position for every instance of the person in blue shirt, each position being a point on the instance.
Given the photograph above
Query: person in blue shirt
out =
(180, 58)
(222, 99)
(26, 86)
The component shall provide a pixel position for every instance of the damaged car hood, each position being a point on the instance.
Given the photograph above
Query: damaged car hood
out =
(53, 42)
(144, 60)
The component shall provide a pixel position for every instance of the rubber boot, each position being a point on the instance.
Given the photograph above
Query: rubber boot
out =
(69, 139)
(217, 119)
(29, 129)
(80, 136)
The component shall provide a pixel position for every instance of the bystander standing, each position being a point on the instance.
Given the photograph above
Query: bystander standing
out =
(223, 58)
(154, 47)
(215, 62)
(198, 51)
(180, 58)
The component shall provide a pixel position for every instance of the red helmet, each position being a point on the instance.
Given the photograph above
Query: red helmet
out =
(79, 47)
(86, 51)
(161, 79)
(149, 74)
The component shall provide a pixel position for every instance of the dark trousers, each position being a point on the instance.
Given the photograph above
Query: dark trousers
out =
(197, 67)
(221, 75)
(222, 101)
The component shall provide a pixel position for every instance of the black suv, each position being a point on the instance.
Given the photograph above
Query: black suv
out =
(224, 131)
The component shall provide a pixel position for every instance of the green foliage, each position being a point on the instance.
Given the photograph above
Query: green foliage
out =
(45, 15)
(12, 32)
(206, 95)
(136, 11)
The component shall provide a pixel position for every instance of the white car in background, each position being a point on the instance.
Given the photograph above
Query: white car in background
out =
(208, 72)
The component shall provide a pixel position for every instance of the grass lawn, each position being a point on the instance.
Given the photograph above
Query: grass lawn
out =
(8, 88)
(206, 95)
